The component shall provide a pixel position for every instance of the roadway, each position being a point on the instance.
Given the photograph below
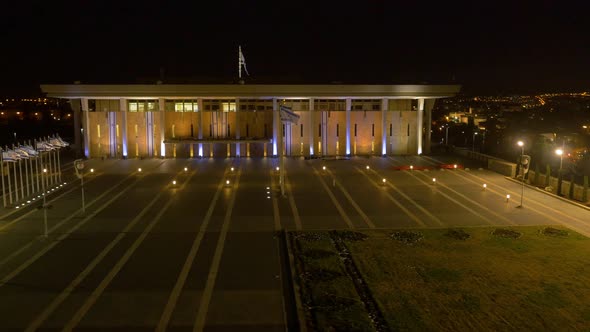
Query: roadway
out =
(203, 254)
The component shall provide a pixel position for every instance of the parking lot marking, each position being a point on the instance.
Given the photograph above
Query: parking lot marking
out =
(97, 292)
(188, 263)
(298, 225)
(465, 175)
(358, 209)
(481, 206)
(36, 323)
(212, 276)
(530, 200)
(450, 198)
(275, 204)
(334, 200)
(393, 200)
(74, 214)
(409, 199)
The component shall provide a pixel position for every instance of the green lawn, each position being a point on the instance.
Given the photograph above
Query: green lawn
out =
(534, 282)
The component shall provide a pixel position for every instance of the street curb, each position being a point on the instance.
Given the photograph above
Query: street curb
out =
(294, 286)
(549, 194)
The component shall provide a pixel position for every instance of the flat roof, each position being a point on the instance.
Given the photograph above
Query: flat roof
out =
(247, 91)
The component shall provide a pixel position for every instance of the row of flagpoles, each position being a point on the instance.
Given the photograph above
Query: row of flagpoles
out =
(29, 159)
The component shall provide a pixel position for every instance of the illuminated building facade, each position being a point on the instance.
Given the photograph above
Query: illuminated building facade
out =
(164, 120)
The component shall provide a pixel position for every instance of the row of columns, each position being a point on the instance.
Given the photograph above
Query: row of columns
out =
(84, 130)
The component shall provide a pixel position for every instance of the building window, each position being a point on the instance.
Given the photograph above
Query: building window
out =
(337, 130)
(301, 130)
(320, 130)
(142, 106)
(228, 106)
(373, 130)
(390, 129)
(355, 130)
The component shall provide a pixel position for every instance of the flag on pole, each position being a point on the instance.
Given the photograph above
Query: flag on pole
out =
(242, 62)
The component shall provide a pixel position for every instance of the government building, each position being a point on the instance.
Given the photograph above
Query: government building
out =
(242, 120)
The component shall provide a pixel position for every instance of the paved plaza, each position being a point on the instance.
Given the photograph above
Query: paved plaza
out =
(204, 254)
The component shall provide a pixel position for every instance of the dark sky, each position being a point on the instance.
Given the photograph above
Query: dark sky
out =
(487, 46)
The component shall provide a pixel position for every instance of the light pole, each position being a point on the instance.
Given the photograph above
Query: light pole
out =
(44, 202)
(79, 167)
(521, 144)
(559, 152)
(473, 142)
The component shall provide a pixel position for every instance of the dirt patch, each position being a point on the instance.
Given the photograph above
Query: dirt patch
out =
(506, 233)
(407, 237)
(350, 236)
(550, 231)
(457, 234)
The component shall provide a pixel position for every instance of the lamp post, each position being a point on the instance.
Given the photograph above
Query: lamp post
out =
(44, 202)
(559, 152)
(473, 142)
(521, 144)
(447, 135)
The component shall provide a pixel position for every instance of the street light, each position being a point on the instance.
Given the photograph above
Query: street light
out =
(473, 142)
(559, 152)
(521, 144)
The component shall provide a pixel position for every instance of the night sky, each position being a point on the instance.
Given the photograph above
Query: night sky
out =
(500, 48)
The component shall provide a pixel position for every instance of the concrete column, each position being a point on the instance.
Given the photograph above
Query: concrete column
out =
(200, 135)
(428, 105)
(312, 128)
(75, 104)
(276, 121)
(419, 124)
(348, 109)
(384, 108)
(113, 134)
(237, 127)
(86, 126)
(162, 113)
(123, 109)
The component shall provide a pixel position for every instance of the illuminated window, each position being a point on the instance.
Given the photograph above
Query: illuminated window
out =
(228, 107)
(186, 106)
(132, 107)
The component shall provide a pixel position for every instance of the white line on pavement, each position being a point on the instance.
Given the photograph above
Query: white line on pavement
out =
(334, 200)
(36, 323)
(173, 298)
(297, 219)
(211, 278)
(275, 204)
(91, 300)
(395, 201)
(409, 199)
(358, 209)
(39, 254)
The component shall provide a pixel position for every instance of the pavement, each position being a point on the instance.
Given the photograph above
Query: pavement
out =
(203, 254)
